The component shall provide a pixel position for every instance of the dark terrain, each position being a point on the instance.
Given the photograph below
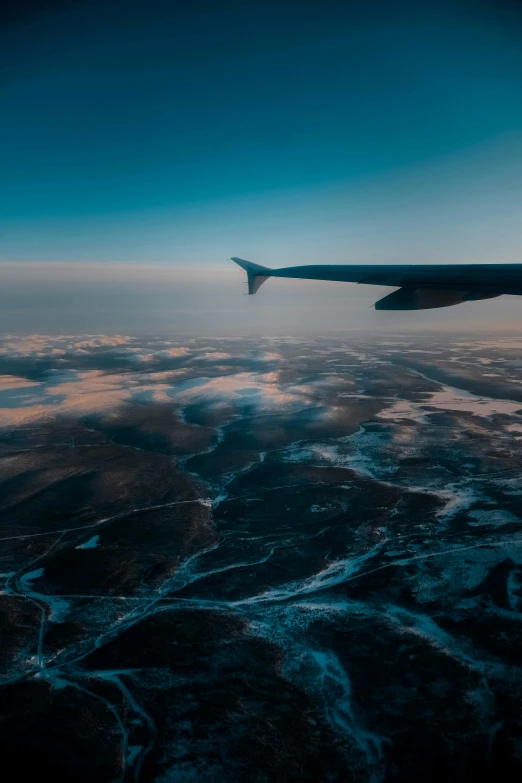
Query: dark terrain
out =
(279, 560)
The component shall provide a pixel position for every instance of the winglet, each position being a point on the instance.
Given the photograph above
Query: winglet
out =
(256, 274)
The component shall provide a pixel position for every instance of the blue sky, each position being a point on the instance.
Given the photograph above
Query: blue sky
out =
(285, 132)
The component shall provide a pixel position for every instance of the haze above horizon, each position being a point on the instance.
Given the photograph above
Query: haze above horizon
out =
(160, 134)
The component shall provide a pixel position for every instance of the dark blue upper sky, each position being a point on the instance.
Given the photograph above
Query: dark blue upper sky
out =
(123, 122)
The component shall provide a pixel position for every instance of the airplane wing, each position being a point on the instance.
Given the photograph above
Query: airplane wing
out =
(420, 286)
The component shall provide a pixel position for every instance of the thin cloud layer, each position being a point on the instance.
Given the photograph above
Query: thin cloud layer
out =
(129, 371)
(43, 378)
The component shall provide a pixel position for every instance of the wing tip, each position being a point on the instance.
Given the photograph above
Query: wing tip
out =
(256, 274)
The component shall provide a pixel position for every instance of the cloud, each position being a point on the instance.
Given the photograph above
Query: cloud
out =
(102, 342)
(66, 386)
(78, 394)
(141, 355)
(42, 345)
(98, 374)
(9, 382)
